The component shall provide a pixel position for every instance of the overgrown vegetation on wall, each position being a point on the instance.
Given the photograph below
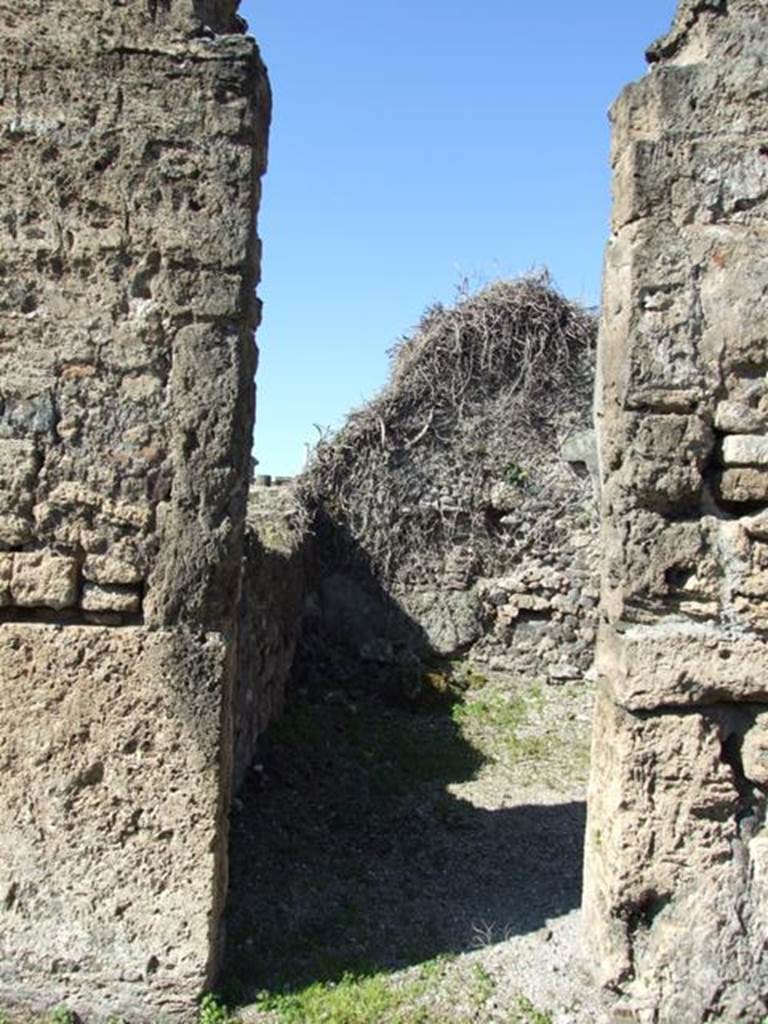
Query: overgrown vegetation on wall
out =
(480, 397)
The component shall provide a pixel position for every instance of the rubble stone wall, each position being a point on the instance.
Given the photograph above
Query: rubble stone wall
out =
(132, 138)
(676, 886)
(537, 619)
(541, 619)
(271, 605)
(454, 514)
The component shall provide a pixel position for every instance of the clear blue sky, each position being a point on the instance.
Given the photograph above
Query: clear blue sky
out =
(414, 144)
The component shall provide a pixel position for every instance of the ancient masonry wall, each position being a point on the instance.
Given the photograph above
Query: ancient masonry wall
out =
(454, 516)
(132, 138)
(271, 604)
(676, 893)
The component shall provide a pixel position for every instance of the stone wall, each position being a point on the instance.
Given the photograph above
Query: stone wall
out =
(676, 896)
(536, 618)
(455, 513)
(271, 605)
(540, 619)
(132, 137)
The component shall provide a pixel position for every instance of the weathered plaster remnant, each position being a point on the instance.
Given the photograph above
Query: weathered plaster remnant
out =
(132, 139)
(676, 882)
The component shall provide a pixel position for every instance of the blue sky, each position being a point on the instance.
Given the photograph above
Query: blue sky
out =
(413, 145)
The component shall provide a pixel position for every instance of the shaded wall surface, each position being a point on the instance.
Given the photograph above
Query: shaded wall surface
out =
(677, 851)
(271, 603)
(454, 513)
(132, 137)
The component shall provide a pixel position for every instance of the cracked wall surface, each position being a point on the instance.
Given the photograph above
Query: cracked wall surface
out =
(676, 878)
(132, 140)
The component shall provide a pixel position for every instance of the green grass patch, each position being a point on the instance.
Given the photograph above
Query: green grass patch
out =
(352, 1000)
(517, 730)
(524, 1012)
(500, 719)
(439, 993)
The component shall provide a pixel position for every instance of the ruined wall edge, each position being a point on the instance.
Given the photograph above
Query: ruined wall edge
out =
(132, 141)
(676, 873)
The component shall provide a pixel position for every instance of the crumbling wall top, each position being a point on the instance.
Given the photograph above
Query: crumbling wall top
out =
(94, 23)
(702, 27)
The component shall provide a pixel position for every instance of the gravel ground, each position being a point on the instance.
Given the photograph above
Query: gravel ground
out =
(376, 838)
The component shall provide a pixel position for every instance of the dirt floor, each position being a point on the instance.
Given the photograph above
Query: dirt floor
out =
(415, 861)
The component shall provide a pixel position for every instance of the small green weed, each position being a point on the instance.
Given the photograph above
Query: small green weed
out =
(435, 968)
(526, 1013)
(444, 684)
(213, 1011)
(62, 1015)
(437, 688)
(501, 716)
(515, 475)
(493, 709)
(482, 986)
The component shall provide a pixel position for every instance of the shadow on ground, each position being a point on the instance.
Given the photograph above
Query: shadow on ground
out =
(349, 853)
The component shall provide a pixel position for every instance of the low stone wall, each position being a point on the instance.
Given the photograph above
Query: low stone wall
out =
(536, 618)
(454, 514)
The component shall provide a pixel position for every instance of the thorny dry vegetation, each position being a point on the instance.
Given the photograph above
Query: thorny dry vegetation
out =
(481, 393)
